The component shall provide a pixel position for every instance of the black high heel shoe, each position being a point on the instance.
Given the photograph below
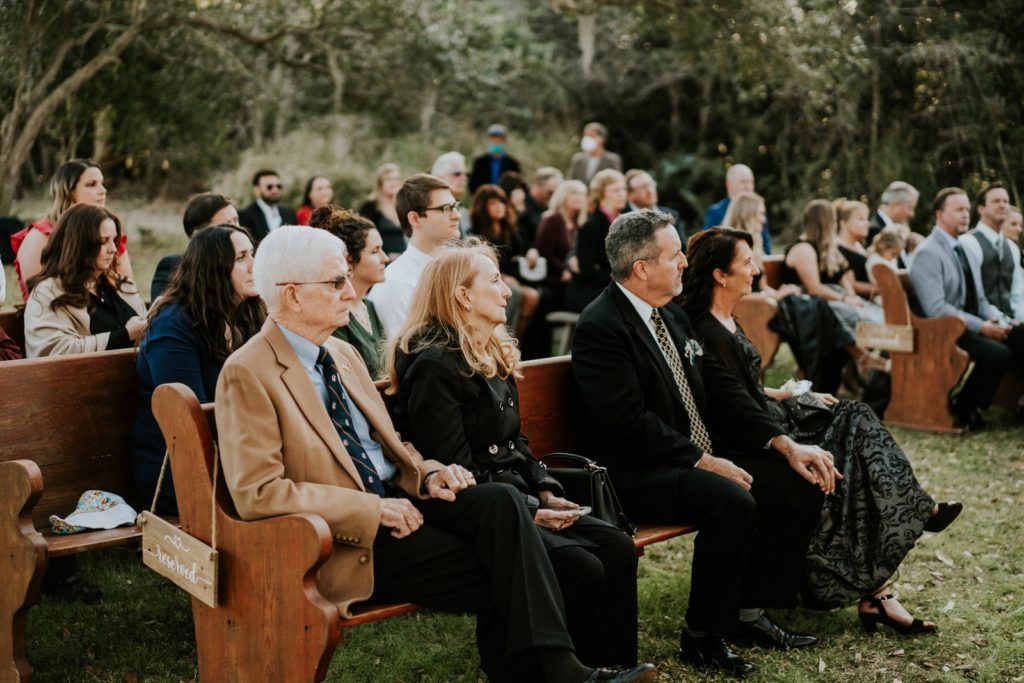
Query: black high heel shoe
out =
(870, 620)
(944, 517)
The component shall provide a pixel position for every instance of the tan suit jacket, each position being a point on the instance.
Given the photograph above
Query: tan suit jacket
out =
(66, 330)
(281, 454)
(580, 162)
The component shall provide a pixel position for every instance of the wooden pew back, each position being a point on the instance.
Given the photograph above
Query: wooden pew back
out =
(71, 415)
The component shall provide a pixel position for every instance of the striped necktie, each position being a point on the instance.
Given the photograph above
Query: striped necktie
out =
(342, 419)
(698, 432)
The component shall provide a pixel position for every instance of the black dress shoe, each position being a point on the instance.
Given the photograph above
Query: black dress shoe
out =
(642, 673)
(767, 633)
(944, 517)
(712, 650)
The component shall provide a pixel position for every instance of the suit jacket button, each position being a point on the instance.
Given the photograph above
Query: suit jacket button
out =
(355, 540)
(512, 445)
(511, 402)
(493, 449)
(501, 406)
(364, 558)
(339, 538)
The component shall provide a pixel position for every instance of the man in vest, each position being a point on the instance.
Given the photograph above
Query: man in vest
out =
(989, 251)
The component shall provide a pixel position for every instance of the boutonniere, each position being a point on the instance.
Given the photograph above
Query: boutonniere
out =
(692, 350)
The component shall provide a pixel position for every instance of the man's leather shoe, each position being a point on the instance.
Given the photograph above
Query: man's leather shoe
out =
(712, 650)
(767, 633)
(643, 673)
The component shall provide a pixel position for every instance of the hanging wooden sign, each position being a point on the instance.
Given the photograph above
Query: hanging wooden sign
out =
(184, 559)
(885, 337)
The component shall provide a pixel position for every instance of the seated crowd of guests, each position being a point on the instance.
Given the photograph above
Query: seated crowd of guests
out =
(269, 318)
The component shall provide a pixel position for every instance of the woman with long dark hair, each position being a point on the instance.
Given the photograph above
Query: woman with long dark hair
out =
(494, 219)
(454, 368)
(74, 182)
(79, 301)
(879, 509)
(209, 309)
(318, 193)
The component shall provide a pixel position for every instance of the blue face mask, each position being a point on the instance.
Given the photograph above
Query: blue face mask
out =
(496, 148)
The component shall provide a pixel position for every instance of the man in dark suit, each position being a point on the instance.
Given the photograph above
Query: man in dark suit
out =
(202, 210)
(487, 168)
(266, 213)
(898, 203)
(661, 414)
(642, 193)
(947, 284)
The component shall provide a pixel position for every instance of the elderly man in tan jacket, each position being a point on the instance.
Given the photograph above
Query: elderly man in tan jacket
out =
(302, 429)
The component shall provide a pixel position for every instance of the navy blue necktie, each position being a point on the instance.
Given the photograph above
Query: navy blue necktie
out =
(342, 420)
(970, 289)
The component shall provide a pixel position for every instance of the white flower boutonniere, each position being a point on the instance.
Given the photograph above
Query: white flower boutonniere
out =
(692, 350)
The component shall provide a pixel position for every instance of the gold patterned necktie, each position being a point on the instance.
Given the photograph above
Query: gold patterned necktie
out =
(698, 432)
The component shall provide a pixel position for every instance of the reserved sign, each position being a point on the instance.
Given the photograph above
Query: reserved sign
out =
(183, 559)
(886, 337)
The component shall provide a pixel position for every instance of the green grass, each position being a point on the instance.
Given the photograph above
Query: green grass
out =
(970, 579)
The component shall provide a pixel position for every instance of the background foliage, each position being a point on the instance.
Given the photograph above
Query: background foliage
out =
(820, 97)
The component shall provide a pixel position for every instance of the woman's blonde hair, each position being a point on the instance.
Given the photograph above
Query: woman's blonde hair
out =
(742, 215)
(437, 319)
(844, 208)
(600, 182)
(886, 239)
(561, 194)
(378, 178)
(820, 231)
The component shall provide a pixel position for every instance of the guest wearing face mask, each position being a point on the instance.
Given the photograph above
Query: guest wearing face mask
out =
(593, 157)
(487, 168)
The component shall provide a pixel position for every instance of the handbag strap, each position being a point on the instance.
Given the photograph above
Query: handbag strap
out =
(573, 457)
(213, 496)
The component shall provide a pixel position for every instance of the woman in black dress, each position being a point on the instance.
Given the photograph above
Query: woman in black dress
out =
(454, 369)
(879, 509)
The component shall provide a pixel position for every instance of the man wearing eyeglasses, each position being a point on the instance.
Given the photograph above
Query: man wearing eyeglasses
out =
(266, 213)
(429, 216)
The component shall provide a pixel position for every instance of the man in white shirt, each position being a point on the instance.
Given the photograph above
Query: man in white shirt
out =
(990, 254)
(898, 204)
(429, 215)
(1011, 231)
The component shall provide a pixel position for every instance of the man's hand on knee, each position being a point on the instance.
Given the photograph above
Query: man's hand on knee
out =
(446, 482)
(399, 515)
(814, 464)
(727, 469)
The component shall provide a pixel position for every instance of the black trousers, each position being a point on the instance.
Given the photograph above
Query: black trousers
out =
(991, 360)
(481, 553)
(598, 584)
(727, 516)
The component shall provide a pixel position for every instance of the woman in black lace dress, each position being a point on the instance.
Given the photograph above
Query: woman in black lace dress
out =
(879, 509)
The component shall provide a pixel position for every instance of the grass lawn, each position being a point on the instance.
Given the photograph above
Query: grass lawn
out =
(970, 579)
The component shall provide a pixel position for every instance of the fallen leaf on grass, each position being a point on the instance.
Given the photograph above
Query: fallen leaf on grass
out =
(943, 558)
(897, 653)
(130, 677)
(821, 665)
(948, 606)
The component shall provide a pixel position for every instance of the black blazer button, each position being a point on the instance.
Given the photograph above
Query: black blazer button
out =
(493, 449)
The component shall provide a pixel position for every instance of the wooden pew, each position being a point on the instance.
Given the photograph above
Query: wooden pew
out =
(292, 637)
(923, 378)
(12, 322)
(63, 430)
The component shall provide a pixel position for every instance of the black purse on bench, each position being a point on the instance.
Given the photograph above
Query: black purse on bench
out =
(589, 484)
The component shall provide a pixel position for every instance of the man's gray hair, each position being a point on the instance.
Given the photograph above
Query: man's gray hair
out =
(899, 192)
(546, 173)
(631, 239)
(598, 128)
(444, 163)
(291, 253)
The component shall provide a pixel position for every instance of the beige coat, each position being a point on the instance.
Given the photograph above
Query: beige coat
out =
(281, 454)
(66, 330)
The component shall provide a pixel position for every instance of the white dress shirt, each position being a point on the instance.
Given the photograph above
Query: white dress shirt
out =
(393, 297)
(969, 242)
(644, 310)
(271, 213)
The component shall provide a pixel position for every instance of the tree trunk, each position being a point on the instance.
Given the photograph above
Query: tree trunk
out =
(586, 27)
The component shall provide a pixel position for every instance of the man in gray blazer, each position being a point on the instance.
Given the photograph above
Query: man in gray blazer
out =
(593, 157)
(947, 284)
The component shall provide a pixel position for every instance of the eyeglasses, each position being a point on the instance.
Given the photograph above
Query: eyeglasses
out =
(337, 283)
(446, 209)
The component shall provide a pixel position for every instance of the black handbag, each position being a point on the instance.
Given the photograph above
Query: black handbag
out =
(808, 412)
(590, 485)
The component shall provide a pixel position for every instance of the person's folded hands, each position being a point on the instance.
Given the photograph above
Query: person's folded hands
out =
(447, 481)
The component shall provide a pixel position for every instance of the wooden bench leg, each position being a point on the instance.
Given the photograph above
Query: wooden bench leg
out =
(22, 562)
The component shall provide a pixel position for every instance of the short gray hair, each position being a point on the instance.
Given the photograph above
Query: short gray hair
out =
(443, 165)
(899, 192)
(546, 173)
(291, 253)
(631, 239)
(598, 128)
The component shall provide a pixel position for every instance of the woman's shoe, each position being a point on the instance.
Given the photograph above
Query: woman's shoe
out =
(870, 620)
(943, 517)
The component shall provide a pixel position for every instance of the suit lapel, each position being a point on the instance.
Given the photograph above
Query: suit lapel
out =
(646, 337)
(307, 399)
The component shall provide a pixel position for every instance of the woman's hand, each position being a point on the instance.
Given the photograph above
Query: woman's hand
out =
(827, 399)
(853, 300)
(555, 520)
(531, 257)
(550, 500)
(136, 325)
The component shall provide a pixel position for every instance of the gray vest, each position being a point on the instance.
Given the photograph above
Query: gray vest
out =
(996, 273)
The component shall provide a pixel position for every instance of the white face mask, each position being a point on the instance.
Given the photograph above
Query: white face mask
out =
(588, 143)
